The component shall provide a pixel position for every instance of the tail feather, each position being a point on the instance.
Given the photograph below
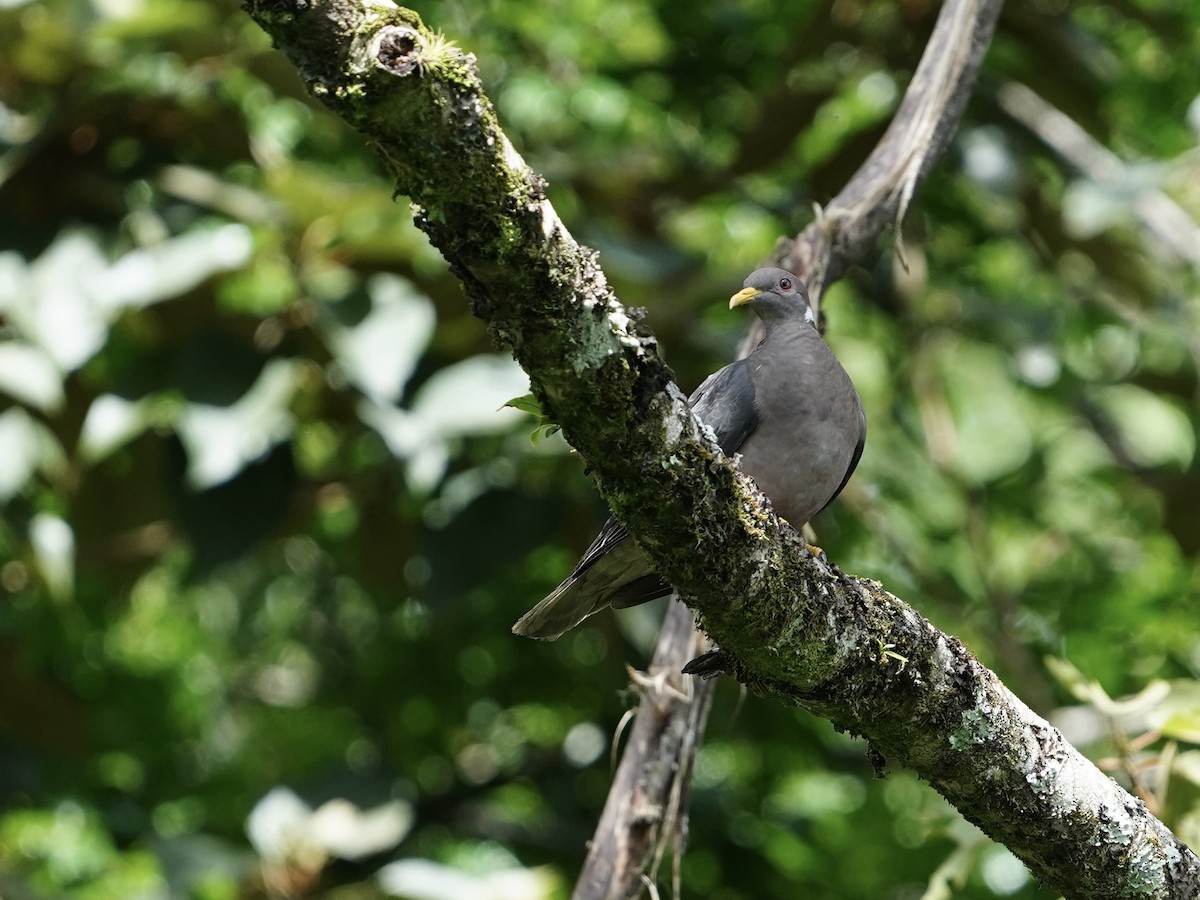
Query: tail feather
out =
(618, 577)
(561, 610)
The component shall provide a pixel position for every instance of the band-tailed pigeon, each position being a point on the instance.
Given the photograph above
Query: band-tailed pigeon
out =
(791, 412)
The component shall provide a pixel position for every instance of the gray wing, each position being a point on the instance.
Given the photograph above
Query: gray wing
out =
(858, 452)
(725, 403)
(612, 571)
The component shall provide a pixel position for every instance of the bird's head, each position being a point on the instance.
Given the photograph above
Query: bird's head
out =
(774, 295)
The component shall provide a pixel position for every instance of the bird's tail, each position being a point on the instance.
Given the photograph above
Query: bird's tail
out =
(562, 609)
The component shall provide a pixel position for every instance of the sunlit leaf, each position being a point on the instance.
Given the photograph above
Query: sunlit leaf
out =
(30, 376)
(468, 397)
(57, 308)
(221, 440)
(173, 267)
(379, 353)
(111, 421)
(1177, 716)
(277, 822)
(282, 826)
(29, 447)
(53, 544)
(1154, 431)
(463, 399)
(348, 832)
(423, 879)
(65, 301)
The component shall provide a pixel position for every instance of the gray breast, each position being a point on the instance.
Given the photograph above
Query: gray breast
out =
(811, 424)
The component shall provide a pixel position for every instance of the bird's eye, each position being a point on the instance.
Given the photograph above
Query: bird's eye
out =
(785, 284)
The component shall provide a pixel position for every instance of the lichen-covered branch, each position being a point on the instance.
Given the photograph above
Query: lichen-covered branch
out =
(789, 624)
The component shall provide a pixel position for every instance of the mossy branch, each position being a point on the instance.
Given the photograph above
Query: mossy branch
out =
(789, 623)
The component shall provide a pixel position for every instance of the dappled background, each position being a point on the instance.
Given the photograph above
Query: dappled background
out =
(265, 523)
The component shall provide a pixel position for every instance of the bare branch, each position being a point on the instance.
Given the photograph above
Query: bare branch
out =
(789, 624)
(879, 192)
(646, 804)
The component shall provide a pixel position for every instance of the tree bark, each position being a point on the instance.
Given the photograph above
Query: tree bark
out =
(789, 624)
(646, 809)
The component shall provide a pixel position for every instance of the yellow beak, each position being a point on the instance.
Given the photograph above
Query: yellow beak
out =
(745, 295)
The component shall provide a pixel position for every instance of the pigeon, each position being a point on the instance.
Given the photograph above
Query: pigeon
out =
(790, 414)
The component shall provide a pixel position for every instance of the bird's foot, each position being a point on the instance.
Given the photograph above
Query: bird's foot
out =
(706, 665)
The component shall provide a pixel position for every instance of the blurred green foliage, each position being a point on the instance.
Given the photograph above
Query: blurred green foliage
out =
(265, 524)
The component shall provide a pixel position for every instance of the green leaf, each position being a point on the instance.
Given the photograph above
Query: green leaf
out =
(527, 403)
(546, 426)
(1154, 431)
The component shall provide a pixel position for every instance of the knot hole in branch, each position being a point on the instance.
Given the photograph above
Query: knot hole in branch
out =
(398, 50)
